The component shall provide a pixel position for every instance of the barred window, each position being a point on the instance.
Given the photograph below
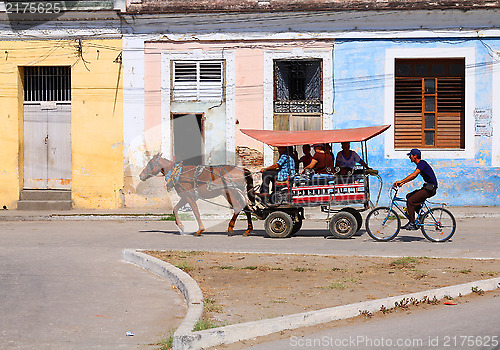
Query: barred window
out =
(45, 83)
(429, 103)
(298, 86)
(198, 81)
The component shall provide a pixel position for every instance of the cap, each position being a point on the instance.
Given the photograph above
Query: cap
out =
(415, 152)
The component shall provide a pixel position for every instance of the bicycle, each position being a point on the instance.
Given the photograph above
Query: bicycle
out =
(383, 223)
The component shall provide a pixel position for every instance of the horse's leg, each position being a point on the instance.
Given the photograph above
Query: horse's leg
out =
(249, 221)
(178, 221)
(234, 196)
(196, 212)
(232, 222)
(230, 228)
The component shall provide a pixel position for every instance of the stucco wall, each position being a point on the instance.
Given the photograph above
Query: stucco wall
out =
(361, 81)
(96, 117)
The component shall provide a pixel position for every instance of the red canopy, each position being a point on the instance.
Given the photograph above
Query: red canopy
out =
(308, 137)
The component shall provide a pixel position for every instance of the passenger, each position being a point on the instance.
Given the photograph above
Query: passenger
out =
(347, 159)
(322, 162)
(281, 170)
(293, 153)
(307, 157)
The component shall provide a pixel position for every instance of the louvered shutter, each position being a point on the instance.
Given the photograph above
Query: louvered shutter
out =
(408, 113)
(197, 81)
(450, 112)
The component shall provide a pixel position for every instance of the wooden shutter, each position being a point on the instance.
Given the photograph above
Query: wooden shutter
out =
(408, 113)
(450, 113)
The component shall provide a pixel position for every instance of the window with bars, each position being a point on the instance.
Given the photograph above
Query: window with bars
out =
(429, 103)
(298, 86)
(42, 83)
(198, 81)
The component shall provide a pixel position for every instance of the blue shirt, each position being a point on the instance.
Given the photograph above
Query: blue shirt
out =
(427, 173)
(287, 167)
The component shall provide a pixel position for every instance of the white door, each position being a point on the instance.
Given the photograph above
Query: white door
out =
(47, 145)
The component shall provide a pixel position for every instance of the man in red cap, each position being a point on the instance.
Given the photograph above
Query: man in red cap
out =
(415, 199)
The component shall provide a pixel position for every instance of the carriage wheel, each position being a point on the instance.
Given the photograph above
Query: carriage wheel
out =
(343, 225)
(356, 214)
(278, 224)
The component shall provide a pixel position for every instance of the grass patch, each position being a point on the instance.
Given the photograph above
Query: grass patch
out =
(182, 216)
(167, 343)
(487, 273)
(250, 268)
(184, 266)
(337, 285)
(338, 269)
(279, 301)
(466, 271)
(226, 268)
(201, 325)
(405, 262)
(302, 269)
(211, 305)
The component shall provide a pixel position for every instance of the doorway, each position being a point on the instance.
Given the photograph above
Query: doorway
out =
(47, 128)
(187, 138)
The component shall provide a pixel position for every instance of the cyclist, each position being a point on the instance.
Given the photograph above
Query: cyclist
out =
(415, 199)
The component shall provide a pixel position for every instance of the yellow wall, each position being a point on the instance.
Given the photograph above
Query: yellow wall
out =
(96, 117)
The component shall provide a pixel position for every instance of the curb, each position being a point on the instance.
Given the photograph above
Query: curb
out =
(185, 283)
(184, 338)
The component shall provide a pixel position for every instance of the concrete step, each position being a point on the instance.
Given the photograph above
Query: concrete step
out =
(43, 205)
(45, 195)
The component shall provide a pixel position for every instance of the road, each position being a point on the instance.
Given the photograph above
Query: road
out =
(63, 284)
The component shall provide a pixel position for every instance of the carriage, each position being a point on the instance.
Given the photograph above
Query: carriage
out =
(341, 197)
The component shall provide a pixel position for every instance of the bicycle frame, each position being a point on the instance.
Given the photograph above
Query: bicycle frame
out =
(424, 209)
(394, 203)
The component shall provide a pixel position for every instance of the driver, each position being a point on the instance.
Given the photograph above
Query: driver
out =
(281, 170)
(321, 162)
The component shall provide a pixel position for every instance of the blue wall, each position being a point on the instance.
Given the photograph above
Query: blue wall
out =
(359, 95)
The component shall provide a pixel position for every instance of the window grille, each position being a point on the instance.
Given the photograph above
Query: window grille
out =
(429, 103)
(198, 81)
(298, 86)
(47, 84)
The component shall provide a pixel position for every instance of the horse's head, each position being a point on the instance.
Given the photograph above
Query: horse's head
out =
(152, 168)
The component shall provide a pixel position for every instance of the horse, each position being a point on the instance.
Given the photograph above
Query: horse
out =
(193, 182)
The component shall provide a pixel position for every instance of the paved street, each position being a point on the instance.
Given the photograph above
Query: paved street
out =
(64, 286)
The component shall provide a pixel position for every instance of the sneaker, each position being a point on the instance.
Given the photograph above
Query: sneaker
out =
(410, 226)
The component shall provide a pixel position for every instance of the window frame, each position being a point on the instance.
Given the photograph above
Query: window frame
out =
(467, 53)
(411, 103)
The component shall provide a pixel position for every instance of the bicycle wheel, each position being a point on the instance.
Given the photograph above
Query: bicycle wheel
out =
(438, 225)
(382, 224)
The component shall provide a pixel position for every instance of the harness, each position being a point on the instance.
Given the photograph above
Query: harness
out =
(173, 175)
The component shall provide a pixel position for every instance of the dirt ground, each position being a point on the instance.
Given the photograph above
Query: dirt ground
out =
(242, 287)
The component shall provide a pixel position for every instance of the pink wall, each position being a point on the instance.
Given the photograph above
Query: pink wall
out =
(249, 77)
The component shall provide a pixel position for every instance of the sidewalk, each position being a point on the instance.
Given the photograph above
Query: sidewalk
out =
(208, 212)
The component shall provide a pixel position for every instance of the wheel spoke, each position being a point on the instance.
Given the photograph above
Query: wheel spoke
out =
(382, 224)
(438, 225)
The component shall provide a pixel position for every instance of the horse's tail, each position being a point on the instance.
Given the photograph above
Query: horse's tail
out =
(249, 182)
